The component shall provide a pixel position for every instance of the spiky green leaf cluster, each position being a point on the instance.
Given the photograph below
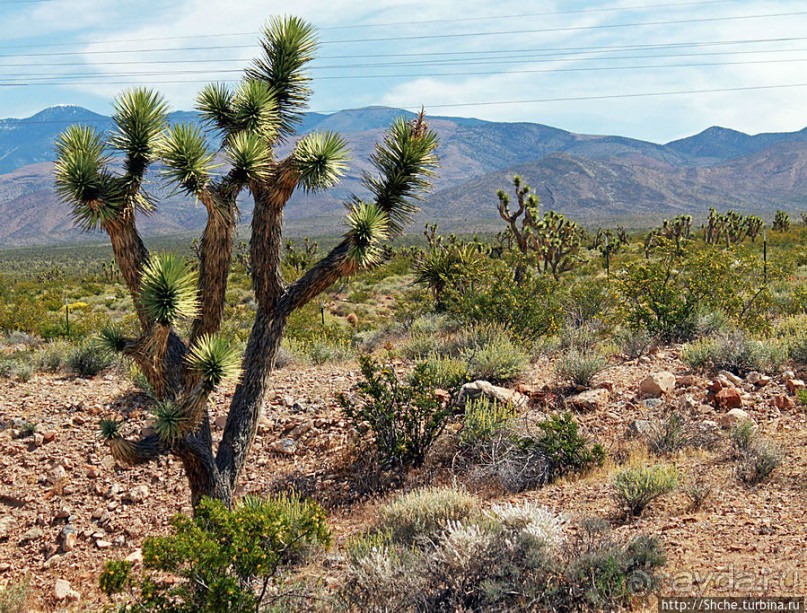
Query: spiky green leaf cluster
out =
(369, 225)
(82, 178)
(214, 359)
(288, 44)
(187, 161)
(214, 103)
(405, 161)
(321, 159)
(251, 159)
(112, 339)
(168, 289)
(109, 429)
(169, 421)
(140, 116)
(254, 109)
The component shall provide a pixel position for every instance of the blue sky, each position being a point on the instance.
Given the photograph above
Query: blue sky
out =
(573, 60)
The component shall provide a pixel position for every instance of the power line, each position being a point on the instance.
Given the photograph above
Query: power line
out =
(394, 38)
(498, 54)
(66, 79)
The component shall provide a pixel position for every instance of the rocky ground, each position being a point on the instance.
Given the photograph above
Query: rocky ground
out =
(65, 507)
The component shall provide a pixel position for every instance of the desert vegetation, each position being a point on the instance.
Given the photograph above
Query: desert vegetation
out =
(379, 420)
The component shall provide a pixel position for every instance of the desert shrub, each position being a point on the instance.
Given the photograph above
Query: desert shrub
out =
(224, 560)
(634, 342)
(756, 457)
(797, 349)
(448, 373)
(14, 597)
(322, 351)
(735, 352)
(22, 370)
(519, 461)
(516, 557)
(579, 368)
(496, 359)
(115, 576)
(53, 356)
(698, 492)
(638, 487)
(405, 417)
(423, 514)
(666, 295)
(759, 462)
(676, 432)
(589, 303)
(483, 419)
(420, 345)
(529, 309)
(87, 360)
(802, 396)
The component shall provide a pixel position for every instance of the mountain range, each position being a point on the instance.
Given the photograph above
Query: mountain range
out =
(595, 179)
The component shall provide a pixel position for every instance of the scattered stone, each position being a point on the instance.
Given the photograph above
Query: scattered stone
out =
(783, 402)
(652, 403)
(729, 398)
(299, 430)
(285, 446)
(68, 537)
(39, 440)
(753, 377)
(444, 397)
(112, 491)
(793, 385)
(56, 475)
(590, 400)
(658, 383)
(7, 525)
(101, 544)
(49, 436)
(640, 428)
(689, 381)
(135, 557)
(138, 493)
(220, 421)
(487, 389)
(63, 591)
(731, 377)
(606, 385)
(733, 418)
(33, 534)
(4, 567)
(714, 386)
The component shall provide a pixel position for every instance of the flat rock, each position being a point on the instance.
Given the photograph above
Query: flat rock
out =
(287, 446)
(729, 398)
(33, 534)
(730, 377)
(657, 383)
(689, 381)
(480, 388)
(733, 418)
(138, 493)
(640, 428)
(793, 385)
(590, 400)
(7, 525)
(783, 402)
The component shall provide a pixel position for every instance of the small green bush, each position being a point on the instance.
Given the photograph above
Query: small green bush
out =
(634, 342)
(14, 598)
(53, 356)
(734, 352)
(797, 348)
(87, 360)
(423, 514)
(405, 417)
(756, 458)
(483, 419)
(448, 373)
(224, 560)
(638, 487)
(492, 355)
(115, 576)
(580, 367)
(563, 448)
(802, 394)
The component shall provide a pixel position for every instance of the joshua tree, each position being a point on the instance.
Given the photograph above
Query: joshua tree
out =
(753, 226)
(252, 120)
(553, 238)
(781, 222)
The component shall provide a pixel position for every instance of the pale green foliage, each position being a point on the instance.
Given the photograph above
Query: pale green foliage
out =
(111, 338)
(735, 352)
(168, 421)
(580, 367)
(423, 514)
(321, 159)
(187, 160)
(638, 487)
(250, 158)
(369, 225)
(168, 289)
(140, 116)
(483, 419)
(214, 359)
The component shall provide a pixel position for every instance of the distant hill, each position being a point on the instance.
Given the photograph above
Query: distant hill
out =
(597, 179)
